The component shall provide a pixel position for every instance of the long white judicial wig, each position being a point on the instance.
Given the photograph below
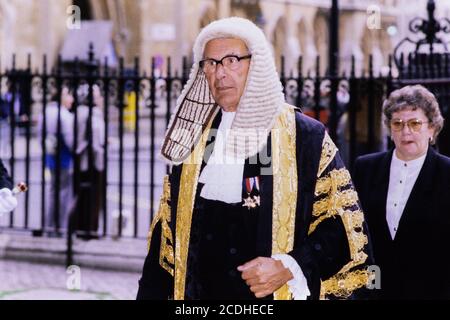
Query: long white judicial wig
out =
(260, 103)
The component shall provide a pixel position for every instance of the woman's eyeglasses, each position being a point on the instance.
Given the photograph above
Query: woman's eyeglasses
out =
(413, 124)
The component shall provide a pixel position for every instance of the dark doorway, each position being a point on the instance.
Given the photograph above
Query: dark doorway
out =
(86, 10)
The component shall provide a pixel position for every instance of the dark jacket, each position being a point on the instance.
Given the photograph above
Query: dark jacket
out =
(5, 179)
(416, 264)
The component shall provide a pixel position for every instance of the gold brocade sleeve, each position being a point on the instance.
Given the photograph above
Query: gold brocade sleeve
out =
(166, 253)
(188, 188)
(336, 196)
(285, 194)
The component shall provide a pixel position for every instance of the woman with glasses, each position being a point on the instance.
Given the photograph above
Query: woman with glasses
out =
(405, 195)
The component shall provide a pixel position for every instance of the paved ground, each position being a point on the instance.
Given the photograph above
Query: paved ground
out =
(30, 281)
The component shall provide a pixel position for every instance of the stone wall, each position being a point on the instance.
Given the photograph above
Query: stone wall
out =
(165, 28)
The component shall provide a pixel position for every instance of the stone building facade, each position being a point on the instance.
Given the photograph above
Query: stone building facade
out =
(165, 28)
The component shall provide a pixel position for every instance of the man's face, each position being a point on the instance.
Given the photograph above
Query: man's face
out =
(227, 86)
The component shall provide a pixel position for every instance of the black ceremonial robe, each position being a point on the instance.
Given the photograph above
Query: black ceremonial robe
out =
(328, 238)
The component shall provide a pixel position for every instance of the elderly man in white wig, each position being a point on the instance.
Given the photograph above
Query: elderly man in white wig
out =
(258, 203)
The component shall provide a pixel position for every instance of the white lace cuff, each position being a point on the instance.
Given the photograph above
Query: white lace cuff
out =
(298, 286)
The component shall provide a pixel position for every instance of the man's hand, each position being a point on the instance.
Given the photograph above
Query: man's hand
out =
(7, 201)
(264, 275)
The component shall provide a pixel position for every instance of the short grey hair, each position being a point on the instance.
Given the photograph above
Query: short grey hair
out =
(414, 97)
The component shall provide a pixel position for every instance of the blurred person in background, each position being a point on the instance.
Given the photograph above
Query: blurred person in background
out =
(58, 138)
(90, 152)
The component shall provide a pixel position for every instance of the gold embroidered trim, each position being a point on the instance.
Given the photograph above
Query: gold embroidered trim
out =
(335, 202)
(342, 285)
(316, 222)
(284, 188)
(166, 257)
(340, 178)
(328, 152)
(353, 223)
(188, 188)
(152, 227)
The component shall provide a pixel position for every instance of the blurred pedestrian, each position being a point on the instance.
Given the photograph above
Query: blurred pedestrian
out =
(90, 153)
(58, 159)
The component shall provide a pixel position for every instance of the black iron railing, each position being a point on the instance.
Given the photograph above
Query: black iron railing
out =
(136, 110)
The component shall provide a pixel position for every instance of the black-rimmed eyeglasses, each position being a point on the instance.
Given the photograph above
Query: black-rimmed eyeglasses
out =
(230, 62)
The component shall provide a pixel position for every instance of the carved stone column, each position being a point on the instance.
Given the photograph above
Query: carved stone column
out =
(7, 32)
(352, 28)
